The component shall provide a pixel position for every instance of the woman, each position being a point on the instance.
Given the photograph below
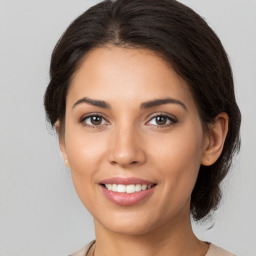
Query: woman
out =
(142, 98)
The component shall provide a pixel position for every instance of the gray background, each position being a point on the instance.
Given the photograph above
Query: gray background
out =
(40, 214)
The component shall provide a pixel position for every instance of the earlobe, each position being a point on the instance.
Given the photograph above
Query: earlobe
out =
(66, 162)
(62, 143)
(215, 139)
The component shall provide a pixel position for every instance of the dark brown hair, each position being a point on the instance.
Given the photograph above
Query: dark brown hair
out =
(183, 39)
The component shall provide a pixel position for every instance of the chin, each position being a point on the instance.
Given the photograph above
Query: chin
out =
(130, 230)
(131, 224)
(126, 224)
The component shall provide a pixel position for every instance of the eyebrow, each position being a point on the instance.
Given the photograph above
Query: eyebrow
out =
(157, 102)
(144, 105)
(97, 103)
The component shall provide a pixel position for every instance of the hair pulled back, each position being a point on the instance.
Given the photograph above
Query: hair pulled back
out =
(183, 39)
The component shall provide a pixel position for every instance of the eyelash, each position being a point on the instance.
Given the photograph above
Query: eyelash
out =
(172, 120)
(90, 116)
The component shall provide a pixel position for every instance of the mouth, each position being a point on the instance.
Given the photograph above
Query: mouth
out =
(127, 191)
(131, 188)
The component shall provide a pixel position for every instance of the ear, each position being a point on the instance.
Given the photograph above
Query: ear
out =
(62, 143)
(215, 138)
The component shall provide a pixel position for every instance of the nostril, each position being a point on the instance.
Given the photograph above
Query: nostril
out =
(126, 157)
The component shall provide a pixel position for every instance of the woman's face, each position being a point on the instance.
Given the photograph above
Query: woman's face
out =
(132, 121)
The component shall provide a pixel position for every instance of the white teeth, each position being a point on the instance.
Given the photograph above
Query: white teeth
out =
(114, 187)
(132, 188)
(120, 188)
(138, 188)
(144, 187)
(109, 186)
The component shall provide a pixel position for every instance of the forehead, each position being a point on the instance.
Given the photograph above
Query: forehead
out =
(125, 74)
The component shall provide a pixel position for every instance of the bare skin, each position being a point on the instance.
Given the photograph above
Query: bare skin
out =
(164, 144)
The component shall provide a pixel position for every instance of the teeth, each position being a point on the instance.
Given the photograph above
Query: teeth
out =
(144, 187)
(120, 188)
(114, 187)
(127, 188)
(130, 189)
(138, 187)
(109, 186)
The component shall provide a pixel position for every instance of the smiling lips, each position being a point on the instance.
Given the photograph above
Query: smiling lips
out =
(126, 191)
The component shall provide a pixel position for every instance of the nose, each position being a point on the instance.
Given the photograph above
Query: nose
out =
(126, 147)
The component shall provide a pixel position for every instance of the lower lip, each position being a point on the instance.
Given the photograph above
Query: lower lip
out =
(126, 199)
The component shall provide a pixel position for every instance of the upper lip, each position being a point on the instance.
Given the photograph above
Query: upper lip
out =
(126, 181)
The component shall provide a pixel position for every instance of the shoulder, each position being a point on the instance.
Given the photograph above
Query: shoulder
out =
(84, 250)
(217, 251)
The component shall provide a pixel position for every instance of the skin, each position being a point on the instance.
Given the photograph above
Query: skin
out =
(129, 142)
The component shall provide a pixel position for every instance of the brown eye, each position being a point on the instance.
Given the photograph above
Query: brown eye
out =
(96, 120)
(93, 120)
(162, 120)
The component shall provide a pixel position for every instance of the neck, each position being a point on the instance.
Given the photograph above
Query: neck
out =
(173, 238)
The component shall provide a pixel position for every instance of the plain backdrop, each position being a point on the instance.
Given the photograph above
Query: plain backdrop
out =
(40, 213)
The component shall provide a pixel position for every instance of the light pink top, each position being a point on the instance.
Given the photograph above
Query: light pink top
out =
(213, 251)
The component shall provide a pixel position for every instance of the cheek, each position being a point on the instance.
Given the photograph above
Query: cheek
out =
(84, 150)
(178, 160)
(85, 155)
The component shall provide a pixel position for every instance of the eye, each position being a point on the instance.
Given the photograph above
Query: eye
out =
(93, 120)
(162, 120)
